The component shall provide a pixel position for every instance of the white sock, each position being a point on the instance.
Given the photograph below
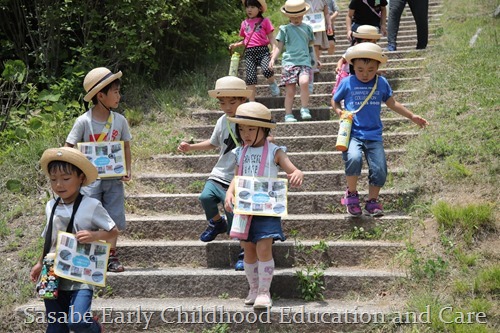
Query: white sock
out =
(252, 273)
(266, 272)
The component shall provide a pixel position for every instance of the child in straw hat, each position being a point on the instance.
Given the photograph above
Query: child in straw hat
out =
(257, 32)
(100, 123)
(231, 92)
(253, 123)
(366, 132)
(68, 170)
(298, 59)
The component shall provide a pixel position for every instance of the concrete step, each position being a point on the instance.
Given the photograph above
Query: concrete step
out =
(318, 99)
(305, 161)
(194, 182)
(329, 64)
(224, 253)
(301, 128)
(323, 113)
(324, 202)
(329, 76)
(406, 85)
(182, 315)
(202, 282)
(307, 226)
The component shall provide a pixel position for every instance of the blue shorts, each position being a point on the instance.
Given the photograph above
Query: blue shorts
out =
(263, 227)
(111, 194)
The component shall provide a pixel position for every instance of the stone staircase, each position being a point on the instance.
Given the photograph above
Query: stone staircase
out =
(176, 283)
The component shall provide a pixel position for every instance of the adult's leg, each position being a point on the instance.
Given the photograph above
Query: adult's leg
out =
(396, 8)
(420, 11)
(81, 319)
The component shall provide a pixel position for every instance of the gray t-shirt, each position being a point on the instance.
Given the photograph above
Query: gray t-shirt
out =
(90, 215)
(81, 131)
(223, 170)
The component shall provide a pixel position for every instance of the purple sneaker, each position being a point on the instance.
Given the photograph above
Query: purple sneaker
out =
(351, 200)
(373, 208)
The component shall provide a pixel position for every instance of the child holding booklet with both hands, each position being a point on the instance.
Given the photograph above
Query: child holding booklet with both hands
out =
(253, 123)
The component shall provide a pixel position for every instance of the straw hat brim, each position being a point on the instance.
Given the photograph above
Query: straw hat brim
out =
(295, 14)
(230, 93)
(366, 36)
(101, 85)
(366, 54)
(252, 122)
(70, 155)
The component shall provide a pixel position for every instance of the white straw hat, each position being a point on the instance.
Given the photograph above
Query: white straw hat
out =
(72, 156)
(97, 79)
(230, 86)
(367, 32)
(253, 114)
(366, 50)
(294, 8)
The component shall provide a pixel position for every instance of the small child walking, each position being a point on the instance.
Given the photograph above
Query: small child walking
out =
(98, 124)
(231, 92)
(68, 170)
(298, 59)
(257, 33)
(366, 132)
(321, 37)
(253, 125)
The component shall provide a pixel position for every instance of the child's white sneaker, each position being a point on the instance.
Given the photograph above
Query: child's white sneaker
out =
(305, 114)
(290, 118)
(275, 90)
(263, 301)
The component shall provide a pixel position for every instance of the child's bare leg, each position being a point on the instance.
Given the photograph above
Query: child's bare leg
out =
(317, 52)
(373, 192)
(264, 249)
(289, 97)
(304, 90)
(352, 183)
(252, 96)
(250, 252)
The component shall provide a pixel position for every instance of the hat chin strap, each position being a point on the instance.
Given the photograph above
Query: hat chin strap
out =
(104, 106)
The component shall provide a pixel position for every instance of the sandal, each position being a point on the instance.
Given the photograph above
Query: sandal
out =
(351, 200)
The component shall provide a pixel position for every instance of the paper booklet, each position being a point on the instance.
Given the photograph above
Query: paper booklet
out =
(261, 196)
(86, 263)
(316, 21)
(108, 157)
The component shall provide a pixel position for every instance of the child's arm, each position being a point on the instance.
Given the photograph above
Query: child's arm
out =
(383, 16)
(235, 45)
(128, 161)
(400, 109)
(205, 145)
(337, 108)
(329, 29)
(272, 41)
(36, 270)
(295, 176)
(87, 236)
(275, 54)
(340, 64)
(229, 201)
(348, 23)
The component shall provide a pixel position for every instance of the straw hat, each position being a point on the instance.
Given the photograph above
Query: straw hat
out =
(97, 79)
(366, 50)
(295, 8)
(262, 4)
(253, 114)
(72, 156)
(367, 32)
(230, 86)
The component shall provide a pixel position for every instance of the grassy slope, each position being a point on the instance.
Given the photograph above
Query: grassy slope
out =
(455, 160)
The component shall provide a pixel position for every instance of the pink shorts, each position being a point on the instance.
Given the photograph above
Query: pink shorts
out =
(291, 74)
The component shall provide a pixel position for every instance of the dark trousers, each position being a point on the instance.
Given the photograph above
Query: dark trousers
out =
(420, 11)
